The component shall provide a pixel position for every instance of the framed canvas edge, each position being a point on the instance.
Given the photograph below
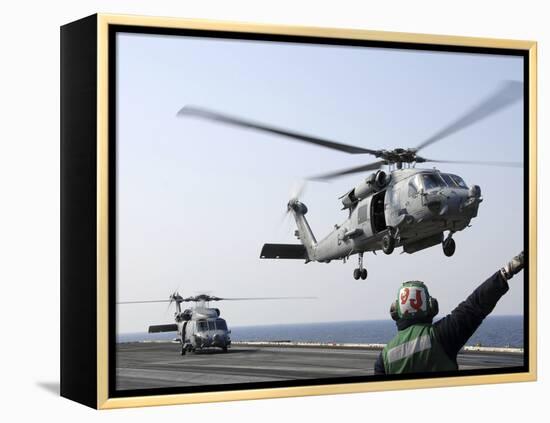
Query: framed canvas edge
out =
(347, 388)
(103, 22)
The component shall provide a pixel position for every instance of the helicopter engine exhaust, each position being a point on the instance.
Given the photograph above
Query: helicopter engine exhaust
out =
(373, 183)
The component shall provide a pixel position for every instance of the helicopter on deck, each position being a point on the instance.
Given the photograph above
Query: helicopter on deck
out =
(200, 327)
(404, 207)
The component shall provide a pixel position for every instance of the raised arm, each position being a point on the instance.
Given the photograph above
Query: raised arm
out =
(455, 329)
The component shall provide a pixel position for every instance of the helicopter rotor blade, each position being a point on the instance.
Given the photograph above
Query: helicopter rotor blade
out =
(297, 190)
(295, 194)
(203, 298)
(508, 93)
(235, 121)
(284, 218)
(170, 301)
(473, 162)
(266, 298)
(189, 299)
(348, 171)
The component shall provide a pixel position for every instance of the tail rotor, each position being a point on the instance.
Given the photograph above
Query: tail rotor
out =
(296, 192)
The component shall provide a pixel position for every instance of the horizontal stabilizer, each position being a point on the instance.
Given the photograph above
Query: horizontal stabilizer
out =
(163, 328)
(283, 251)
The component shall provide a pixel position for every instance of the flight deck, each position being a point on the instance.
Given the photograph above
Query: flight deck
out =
(146, 365)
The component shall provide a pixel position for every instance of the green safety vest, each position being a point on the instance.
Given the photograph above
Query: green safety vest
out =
(416, 350)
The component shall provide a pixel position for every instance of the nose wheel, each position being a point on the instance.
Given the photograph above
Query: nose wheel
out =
(360, 272)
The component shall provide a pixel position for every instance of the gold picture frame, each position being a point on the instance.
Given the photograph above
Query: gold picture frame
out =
(98, 26)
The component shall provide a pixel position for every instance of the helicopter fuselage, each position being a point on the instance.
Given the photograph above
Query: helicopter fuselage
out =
(416, 204)
(202, 328)
(410, 208)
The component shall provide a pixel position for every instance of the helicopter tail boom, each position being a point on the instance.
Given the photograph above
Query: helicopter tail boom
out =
(306, 250)
(304, 232)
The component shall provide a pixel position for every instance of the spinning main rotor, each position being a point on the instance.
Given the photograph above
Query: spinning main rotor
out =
(204, 298)
(506, 94)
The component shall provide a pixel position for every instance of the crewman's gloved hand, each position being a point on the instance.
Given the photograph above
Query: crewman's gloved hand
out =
(514, 266)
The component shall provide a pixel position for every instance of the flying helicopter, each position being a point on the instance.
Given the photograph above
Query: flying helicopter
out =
(405, 206)
(200, 327)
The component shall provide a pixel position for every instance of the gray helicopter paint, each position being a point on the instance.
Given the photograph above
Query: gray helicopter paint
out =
(305, 234)
(191, 336)
(353, 235)
(411, 216)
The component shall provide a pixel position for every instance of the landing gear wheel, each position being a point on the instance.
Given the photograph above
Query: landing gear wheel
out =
(360, 272)
(388, 244)
(183, 350)
(224, 349)
(449, 247)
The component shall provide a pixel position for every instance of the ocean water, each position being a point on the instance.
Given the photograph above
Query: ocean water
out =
(495, 331)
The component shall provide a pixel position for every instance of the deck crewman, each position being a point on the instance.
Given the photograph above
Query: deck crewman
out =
(422, 346)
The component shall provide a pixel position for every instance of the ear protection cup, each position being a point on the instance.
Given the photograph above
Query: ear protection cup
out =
(433, 307)
(393, 311)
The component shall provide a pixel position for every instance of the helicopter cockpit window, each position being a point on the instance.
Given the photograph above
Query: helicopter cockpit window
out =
(202, 325)
(459, 181)
(211, 325)
(413, 187)
(220, 324)
(431, 181)
(449, 180)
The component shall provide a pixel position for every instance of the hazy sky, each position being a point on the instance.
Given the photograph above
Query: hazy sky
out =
(197, 200)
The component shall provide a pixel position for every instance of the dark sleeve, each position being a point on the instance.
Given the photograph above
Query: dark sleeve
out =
(456, 328)
(379, 366)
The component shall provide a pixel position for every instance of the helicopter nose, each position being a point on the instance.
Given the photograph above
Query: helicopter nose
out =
(475, 192)
(474, 196)
(452, 201)
(470, 201)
